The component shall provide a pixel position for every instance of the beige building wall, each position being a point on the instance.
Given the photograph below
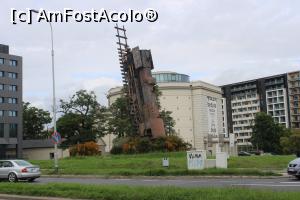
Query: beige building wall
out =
(200, 93)
(188, 103)
(177, 98)
(42, 153)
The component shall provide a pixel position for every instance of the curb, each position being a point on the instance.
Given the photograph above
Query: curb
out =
(23, 197)
(164, 177)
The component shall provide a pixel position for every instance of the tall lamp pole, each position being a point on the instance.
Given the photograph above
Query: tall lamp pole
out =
(53, 94)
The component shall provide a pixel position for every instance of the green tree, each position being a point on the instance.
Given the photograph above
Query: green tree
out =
(119, 123)
(83, 118)
(158, 93)
(169, 122)
(266, 133)
(290, 142)
(34, 121)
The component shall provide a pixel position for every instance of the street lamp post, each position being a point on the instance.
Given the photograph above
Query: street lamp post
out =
(53, 94)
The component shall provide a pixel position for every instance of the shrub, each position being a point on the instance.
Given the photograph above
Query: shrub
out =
(158, 144)
(85, 149)
(116, 150)
(145, 144)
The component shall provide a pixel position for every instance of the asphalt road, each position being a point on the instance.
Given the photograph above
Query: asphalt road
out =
(286, 184)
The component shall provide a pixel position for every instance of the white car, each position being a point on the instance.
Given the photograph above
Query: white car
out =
(15, 170)
(294, 168)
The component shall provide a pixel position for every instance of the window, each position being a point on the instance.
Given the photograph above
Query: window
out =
(12, 113)
(13, 100)
(12, 75)
(7, 164)
(12, 88)
(1, 86)
(1, 99)
(22, 163)
(1, 73)
(1, 61)
(1, 112)
(1, 130)
(173, 77)
(13, 130)
(13, 63)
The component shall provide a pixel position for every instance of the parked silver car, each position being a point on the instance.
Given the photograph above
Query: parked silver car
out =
(294, 168)
(15, 170)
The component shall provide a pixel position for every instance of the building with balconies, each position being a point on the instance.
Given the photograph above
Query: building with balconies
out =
(294, 98)
(245, 99)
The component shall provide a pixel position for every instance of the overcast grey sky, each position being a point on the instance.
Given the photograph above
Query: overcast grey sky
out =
(215, 41)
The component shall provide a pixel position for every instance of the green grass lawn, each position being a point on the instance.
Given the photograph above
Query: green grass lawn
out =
(118, 192)
(277, 162)
(150, 164)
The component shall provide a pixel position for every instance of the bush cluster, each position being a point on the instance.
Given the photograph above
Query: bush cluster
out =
(85, 149)
(130, 145)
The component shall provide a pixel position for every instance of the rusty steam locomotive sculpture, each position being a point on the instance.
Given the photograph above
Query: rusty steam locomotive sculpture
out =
(139, 87)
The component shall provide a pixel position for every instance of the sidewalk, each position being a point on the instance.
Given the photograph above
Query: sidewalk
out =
(19, 197)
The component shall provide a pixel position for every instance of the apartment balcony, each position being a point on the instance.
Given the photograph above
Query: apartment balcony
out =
(294, 86)
(242, 126)
(238, 89)
(243, 131)
(276, 82)
(243, 137)
(293, 79)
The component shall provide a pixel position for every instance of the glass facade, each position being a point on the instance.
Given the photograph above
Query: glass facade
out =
(170, 77)
(13, 130)
(1, 130)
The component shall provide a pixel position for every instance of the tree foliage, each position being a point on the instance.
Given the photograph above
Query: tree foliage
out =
(119, 123)
(290, 142)
(169, 122)
(34, 121)
(83, 118)
(266, 133)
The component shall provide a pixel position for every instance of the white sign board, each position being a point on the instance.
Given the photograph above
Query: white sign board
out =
(221, 160)
(196, 159)
(212, 115)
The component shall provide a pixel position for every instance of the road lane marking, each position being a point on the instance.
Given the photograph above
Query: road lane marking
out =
(256, 184)
(291, 182)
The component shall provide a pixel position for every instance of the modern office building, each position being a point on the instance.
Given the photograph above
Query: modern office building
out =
(10, 103)
(196, 107)
(294, 98)
(276, 95)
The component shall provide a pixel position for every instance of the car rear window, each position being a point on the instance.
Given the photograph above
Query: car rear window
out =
(22, 163)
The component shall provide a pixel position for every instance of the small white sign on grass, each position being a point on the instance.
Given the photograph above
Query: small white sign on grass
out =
(196, 159)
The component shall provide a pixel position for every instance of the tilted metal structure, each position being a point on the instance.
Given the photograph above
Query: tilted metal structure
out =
(139, 87)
